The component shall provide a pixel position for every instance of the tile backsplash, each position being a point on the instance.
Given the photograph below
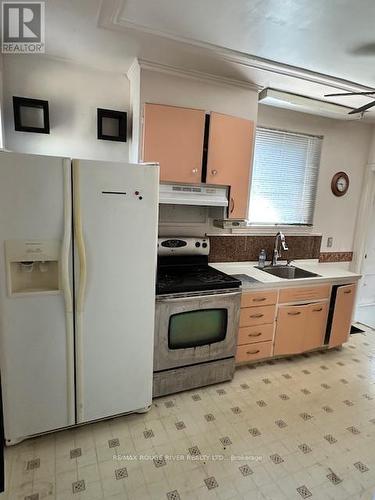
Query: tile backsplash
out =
(336, 257)
(247, 248)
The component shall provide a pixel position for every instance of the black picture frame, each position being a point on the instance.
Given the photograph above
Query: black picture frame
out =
(120, 116)
(26, 102)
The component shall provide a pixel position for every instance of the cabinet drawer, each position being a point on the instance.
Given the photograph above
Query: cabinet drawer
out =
(304, 293)
(250, 316)
(253, 351)
(251, 334)
(265, 298)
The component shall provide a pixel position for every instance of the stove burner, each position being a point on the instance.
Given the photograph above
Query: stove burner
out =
(191, 278)
(169, 279)
(208, 277)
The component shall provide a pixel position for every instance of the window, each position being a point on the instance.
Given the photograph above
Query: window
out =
(285, 177)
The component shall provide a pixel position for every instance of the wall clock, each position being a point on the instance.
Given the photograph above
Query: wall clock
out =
(340, 184)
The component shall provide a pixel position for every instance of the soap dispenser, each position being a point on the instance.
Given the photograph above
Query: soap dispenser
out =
(262, 258)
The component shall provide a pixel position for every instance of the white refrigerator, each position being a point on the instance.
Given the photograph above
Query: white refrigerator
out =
(77, 290)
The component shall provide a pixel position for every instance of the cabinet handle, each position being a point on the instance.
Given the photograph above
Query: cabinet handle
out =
(213, 172)
(294, 313)
(259, 299)
(253, 352)
(318, 310)
(195, 170)
(255, 334)
(232, 205)
(256, 315)
(347, 291)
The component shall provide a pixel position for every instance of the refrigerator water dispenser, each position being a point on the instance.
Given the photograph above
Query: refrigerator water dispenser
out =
(32, 266)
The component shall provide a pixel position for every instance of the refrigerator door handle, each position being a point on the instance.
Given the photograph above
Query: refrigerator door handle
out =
(67, 292)
(65, 282)
(78, 231)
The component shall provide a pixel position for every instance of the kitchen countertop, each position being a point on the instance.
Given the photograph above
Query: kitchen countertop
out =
(328, 273)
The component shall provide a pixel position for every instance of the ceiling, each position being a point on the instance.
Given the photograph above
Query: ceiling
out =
(334, 37)
(262, 41)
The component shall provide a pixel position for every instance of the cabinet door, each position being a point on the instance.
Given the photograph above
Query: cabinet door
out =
(342, 315)
(314, 333)
(173, 137)
(230, 148)
(291, 322)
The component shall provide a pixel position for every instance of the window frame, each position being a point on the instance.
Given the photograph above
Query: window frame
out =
(297, 229)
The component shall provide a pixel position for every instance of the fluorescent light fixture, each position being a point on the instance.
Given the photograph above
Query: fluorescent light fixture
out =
(304, 104)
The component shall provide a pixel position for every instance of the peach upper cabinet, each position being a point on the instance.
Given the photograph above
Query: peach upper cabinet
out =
(174, 137)
(229, 159)
(193, 146)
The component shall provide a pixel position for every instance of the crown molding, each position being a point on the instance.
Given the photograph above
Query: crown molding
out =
(110, 18)
(109, 13)
(145, 64)
(134, 68)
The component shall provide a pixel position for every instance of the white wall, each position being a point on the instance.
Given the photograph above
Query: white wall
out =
(346, 147)
(165, 88)
(371, 159)
(1, 104)
(74, 93)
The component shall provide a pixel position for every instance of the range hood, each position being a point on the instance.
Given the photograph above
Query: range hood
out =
(193, 194)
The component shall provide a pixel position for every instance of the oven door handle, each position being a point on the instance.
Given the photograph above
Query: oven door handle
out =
(197, 296)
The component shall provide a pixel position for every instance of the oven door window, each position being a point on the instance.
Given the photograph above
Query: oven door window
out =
(197, 328)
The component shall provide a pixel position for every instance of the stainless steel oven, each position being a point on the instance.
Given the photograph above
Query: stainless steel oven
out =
(197, 318)
(195, 328)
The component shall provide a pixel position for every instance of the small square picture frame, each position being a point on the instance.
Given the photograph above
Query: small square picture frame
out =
(27, 102)
(120, 117)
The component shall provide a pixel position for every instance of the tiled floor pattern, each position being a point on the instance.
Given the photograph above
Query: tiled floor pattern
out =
(288, 429)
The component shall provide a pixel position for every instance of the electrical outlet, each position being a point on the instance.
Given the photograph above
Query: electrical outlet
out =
(329, 242)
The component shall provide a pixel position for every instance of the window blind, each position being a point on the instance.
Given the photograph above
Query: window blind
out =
(285, 177)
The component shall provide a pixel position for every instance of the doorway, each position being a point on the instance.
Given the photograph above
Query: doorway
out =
(365, 307)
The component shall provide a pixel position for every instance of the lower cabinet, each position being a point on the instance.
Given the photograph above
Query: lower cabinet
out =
(250, 316)
(250, 334)
(300, 328)
(252, 352)
(257, 325)
(342, 316)
(291, 321)
(315, 330)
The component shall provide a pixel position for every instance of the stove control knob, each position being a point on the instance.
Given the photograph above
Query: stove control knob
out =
(204, 245)
(197, 244)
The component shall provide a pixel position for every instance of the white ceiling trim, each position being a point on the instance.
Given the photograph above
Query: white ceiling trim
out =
(196, 75)
(110, 18)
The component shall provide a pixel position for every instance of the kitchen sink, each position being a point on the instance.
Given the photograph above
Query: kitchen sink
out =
(287, 272)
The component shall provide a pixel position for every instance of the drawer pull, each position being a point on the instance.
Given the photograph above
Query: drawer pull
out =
(253, 352)
(255, 334)
(318, 310)
(259, 299)
(294, 313)
(347, 291)
(256, 315)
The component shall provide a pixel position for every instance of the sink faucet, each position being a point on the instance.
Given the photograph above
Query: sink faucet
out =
(276, 252)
